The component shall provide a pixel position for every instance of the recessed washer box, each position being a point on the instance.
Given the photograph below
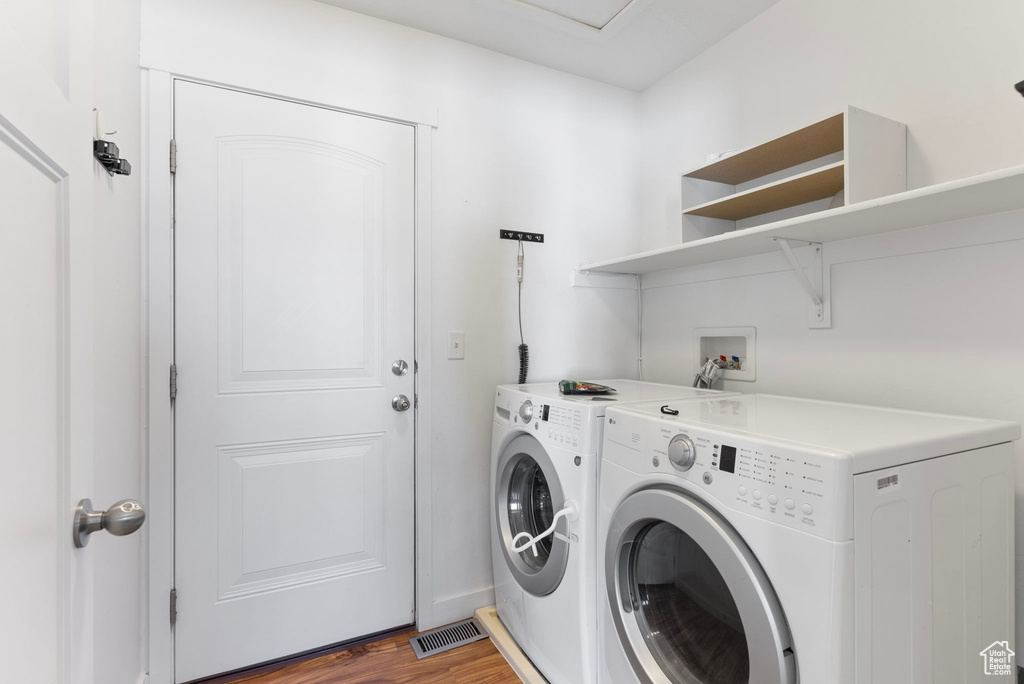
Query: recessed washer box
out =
(727, 342)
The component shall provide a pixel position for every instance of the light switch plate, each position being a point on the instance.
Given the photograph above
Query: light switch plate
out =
(456, 344)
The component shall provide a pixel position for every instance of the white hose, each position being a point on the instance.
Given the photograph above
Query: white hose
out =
(569, 513)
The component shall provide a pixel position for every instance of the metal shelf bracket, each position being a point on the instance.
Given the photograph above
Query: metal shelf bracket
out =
(816, 285)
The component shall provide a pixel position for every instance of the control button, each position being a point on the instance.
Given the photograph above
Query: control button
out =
(772, 499)
(790, 504)
(708, 478)
(757, 495)
(742, 490)
(806, 508)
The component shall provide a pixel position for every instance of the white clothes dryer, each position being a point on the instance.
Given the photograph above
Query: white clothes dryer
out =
(771, 540)
(545, 459)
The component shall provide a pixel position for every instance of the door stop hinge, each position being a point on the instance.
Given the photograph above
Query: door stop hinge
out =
(174, 606)
(174, 382)
(174, 156)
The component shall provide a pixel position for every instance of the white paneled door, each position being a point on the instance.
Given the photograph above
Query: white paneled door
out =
(294, 243)
(46, 180)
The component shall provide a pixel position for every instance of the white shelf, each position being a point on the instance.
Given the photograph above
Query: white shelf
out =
(989, 193)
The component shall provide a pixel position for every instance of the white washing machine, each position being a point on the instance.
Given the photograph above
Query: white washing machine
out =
(765, 539)
(545, 454)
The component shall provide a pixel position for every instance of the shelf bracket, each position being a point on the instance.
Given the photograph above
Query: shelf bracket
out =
(581, 277)
(819, 315)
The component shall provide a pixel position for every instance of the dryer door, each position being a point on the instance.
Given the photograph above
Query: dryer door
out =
(527, 496)
(689, 600)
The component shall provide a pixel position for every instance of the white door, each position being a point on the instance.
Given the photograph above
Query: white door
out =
(293, 298)
(45, 340)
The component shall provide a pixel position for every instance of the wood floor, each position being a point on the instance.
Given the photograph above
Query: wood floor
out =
(392, 661)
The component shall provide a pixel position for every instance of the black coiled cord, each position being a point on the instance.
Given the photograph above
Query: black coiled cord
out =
(524, 363)
(524, 351)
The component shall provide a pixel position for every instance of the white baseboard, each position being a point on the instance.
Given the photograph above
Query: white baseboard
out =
(454, 608)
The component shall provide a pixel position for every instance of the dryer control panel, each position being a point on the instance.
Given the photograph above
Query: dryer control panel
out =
(785, 483)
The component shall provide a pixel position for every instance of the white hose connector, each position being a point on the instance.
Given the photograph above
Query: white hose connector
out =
(569, 512)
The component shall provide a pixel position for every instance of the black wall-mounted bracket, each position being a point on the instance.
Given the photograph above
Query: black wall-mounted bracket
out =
(107, 154)
(520, 236)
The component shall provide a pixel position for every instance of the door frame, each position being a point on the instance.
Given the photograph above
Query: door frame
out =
(158, 331)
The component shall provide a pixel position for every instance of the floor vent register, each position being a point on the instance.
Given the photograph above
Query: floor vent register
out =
(446, 638)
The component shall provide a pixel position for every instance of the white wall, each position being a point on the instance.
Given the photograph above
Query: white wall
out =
(117, 344)
(516, 146)
(945, 68)
(926, 319)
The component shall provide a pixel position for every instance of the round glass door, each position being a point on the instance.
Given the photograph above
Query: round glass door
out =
(685, 610)
(690, 602)
(528, 495)
(530, 508)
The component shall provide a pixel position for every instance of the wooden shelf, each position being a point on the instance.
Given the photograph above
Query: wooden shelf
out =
(812, 185)
(989, 193)
(808, 143)
(855, 154)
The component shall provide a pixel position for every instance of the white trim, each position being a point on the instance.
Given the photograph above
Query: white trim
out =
(424, 430)
(454, 608)
(200, 66)
(158, 303)
(158, 316)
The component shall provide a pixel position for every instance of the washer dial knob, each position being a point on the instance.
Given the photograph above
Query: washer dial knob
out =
(526, 411)
(681, 452)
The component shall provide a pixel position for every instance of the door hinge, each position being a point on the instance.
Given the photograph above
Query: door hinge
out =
(174, 156)
(174, 382)
(415, 401)
(174, 606)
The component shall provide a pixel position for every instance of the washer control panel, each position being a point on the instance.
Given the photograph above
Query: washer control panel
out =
(784, 483)
(560, 424)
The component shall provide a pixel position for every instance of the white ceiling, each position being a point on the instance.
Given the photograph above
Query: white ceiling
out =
(627, 43)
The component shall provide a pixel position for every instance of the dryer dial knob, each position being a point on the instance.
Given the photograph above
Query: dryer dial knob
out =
(526, 411)
(681, 452)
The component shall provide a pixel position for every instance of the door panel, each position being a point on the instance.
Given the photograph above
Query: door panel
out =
(293, 296)
(32, 418)
(339, 478)
(301, 306)
(46, 588)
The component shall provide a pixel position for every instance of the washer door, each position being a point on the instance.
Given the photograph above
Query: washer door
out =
(690, 602)
(527, 496)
